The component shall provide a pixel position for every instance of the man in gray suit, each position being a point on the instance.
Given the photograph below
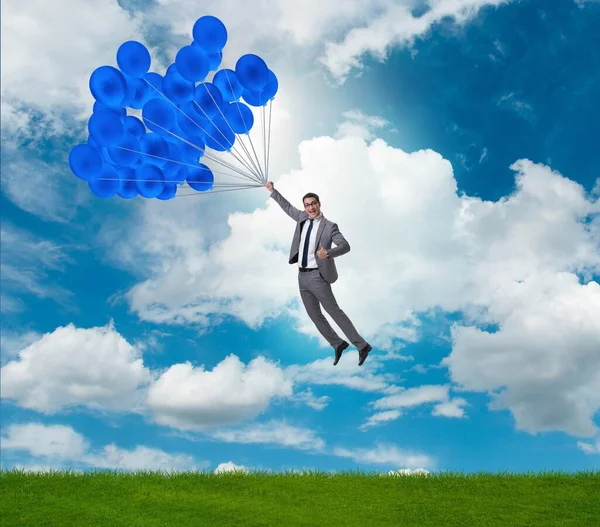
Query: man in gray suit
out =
(316, 270)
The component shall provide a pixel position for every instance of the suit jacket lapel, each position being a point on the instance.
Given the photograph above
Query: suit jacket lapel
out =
(320, 231)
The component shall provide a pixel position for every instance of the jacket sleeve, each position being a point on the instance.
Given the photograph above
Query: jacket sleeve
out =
(287, 207)
(342, 245)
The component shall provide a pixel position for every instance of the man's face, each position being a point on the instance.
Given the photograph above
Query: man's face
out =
(312, 207)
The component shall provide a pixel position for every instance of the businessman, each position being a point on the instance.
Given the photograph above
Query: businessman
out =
(312, 251)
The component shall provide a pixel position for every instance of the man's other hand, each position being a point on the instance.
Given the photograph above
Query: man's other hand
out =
(269, 186)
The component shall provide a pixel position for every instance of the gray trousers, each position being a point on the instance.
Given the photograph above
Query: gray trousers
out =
(316, 291)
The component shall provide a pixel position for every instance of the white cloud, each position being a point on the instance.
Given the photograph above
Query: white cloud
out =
(385, 454)
(394, 26)
(47, 190)
(590, 448)
(61, 445)
(224, 468)
(451, 408)
(71, 367)
(310, 399)
(13, 342)
(401, 398)
(55, 441)
(360, 125)
(191, 398)
(544, 362)
(273, 433)
(345, 373)
(379, 418)
(27, 265)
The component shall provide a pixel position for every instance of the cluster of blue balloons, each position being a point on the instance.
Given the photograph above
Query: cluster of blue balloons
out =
(182, 115)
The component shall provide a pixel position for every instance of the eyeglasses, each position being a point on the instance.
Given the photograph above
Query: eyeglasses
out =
(306, 205)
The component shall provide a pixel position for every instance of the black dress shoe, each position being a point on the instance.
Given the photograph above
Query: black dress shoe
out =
(338, 352)
(362, 354)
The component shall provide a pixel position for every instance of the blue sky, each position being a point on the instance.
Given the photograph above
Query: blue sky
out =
(461, 167)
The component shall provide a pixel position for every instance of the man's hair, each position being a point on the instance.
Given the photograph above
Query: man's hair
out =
(311, 195)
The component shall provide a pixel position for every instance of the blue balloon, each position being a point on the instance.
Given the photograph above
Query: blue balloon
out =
(133, 58)
(106, 183)
(132, 125)
(191, 123)
(154, 80)
(105, 127)
(210, 34)
(139, 92)
(85, 161)
(126, 152)
(168, 192)
(240, 117)
(158, 114)
(150, 180)
(229, 85)
(252, 72)
(127, 184)
(175, 172)
(108, 85)
(188, 153)
(262, 97)
(156, 148)
(219, 135)
(192, 63)
(209, 99)
(200, 178)
(214, 60)
(176, 88)
(119, 110)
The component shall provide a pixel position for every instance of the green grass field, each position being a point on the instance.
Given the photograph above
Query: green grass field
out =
(200, 499)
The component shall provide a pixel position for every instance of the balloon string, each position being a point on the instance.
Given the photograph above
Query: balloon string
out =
(235, 169)
(262, 122)
(242, 117)
(179, 109)
(258, 173)
(178, 182)
(236, 135)
(175, 161)
(249, 138)
(201, 192)
(269, 140)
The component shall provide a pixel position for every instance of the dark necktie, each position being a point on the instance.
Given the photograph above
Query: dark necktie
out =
(306, 243)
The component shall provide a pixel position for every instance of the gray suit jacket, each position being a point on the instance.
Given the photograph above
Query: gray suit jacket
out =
(327, 234)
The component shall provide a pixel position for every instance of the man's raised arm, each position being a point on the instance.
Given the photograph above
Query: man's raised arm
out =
(287, 207)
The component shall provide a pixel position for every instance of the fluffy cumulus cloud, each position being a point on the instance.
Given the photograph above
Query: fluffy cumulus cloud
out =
(544, 362)
(58, 446)
(72, 367)
(191, 398)
(523, 263)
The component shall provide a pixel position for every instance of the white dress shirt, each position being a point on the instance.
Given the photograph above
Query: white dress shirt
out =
(312, 261)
